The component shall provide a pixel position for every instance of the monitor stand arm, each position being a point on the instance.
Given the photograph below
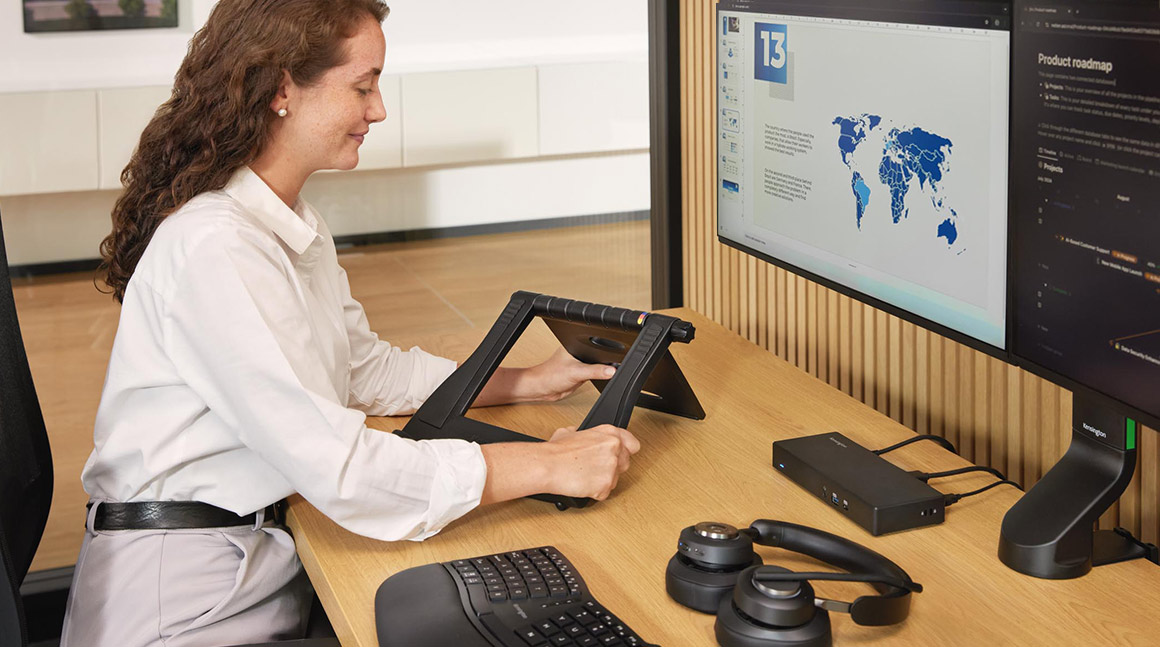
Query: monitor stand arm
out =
(1049, 533)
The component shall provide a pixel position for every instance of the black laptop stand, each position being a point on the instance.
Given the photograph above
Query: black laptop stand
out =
(634, 341)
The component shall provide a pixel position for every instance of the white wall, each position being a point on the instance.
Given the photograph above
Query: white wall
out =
(422, 36)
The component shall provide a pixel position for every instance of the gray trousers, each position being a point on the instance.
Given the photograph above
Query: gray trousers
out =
(173, 588)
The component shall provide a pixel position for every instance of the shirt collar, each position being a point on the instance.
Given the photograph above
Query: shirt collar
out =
(296, 227)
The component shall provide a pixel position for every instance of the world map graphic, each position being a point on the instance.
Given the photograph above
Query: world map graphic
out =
(908, 153)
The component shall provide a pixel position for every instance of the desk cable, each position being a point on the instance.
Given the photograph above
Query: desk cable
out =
(914, 439)
(955, 497)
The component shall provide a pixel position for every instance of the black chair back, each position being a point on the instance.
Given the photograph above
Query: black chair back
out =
(25, 464)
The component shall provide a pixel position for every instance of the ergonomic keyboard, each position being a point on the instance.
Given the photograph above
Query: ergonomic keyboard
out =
(526, 598)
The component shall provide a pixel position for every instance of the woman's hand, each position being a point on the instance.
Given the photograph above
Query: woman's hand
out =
(573, 463)
(559, 377)
(553, 380)
(591, 461)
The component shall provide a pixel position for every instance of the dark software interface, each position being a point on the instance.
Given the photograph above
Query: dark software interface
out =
(865, 145)
(1086, 170)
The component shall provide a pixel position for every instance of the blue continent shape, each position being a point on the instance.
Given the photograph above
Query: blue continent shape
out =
(948, 230)
(896, 176)
(861, 196)
(915, 152)
(852, 131)
(925, 154)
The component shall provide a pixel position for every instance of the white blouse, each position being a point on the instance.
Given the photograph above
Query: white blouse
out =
(243, 371)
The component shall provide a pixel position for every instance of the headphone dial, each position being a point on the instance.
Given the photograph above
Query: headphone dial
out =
(777, 589)
(774, 604)
(714, 545)
(715, 530)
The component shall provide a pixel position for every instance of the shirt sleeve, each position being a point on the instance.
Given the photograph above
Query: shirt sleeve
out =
(239, 333)
(384, 379)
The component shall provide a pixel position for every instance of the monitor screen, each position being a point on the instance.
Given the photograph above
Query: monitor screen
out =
(864, 144)
(1086, 197)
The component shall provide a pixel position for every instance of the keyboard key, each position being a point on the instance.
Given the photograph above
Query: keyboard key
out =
(588, 641)
(563, 640)
(583, 617)
(547, 627)
(531, 636)
(575, 630)
(497, 596)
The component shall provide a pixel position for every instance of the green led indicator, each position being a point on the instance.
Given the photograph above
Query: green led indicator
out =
(1131, 436)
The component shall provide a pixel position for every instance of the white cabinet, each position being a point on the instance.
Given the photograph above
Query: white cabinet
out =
(48, 142)
(470, 116)
(124, 113)
(593, 107)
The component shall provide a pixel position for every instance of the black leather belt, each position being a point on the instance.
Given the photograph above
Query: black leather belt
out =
(172, 515)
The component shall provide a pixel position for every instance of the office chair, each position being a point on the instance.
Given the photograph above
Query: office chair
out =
(25, 465)
(26, 480)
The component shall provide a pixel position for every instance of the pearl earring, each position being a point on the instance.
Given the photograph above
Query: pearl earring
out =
(281, 112)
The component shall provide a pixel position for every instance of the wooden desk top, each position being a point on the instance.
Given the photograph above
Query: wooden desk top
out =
(719, 469)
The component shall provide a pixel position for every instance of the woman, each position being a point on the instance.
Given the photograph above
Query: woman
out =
(243, 369)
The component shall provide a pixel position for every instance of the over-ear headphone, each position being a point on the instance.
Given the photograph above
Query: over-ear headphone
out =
(717, 571)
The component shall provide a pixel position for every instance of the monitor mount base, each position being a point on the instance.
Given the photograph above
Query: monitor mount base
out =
(1049, 533)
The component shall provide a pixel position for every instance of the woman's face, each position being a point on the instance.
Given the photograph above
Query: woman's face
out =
(326, 122)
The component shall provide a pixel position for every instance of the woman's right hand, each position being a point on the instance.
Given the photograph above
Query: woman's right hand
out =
(589, 463)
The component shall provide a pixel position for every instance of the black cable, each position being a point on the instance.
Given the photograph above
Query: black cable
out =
(926, 476)
(938, 439)
(951, 499)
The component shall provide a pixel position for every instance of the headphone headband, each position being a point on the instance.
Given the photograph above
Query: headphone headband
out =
(893, 584)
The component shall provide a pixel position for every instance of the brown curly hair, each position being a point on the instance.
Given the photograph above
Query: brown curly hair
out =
(218, 116)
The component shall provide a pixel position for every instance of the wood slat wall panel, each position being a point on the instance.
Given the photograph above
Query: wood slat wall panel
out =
(995, 414)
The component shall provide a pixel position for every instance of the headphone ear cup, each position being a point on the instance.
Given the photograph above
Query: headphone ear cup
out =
(764, 616)
(698, 587)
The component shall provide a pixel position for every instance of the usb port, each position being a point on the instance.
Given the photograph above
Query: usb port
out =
(834, 498)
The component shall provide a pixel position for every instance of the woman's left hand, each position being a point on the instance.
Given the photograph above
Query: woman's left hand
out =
(558, 378)
(553, 380)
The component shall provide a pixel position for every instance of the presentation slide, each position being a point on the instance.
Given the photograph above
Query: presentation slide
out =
(877, 144)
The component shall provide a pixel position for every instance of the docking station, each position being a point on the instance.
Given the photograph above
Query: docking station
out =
(874, 493)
